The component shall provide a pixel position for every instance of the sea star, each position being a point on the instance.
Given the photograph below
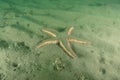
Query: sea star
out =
(62, 40)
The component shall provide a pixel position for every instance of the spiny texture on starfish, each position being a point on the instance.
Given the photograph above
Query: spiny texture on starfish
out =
(63, 39)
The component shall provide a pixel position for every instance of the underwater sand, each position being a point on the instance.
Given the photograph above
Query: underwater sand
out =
(21, 22)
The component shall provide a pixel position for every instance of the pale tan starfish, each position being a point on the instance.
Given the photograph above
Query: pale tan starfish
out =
(62, 40)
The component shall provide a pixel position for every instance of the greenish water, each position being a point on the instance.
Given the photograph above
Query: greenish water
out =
(22, 29)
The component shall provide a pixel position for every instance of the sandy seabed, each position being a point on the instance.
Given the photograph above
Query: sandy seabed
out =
(94, 21)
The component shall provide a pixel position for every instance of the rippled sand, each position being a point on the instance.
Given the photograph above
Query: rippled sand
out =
(94, 21)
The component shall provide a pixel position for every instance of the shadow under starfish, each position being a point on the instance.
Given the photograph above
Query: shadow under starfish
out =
(63, 39)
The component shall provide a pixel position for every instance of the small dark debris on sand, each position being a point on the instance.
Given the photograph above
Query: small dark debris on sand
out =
(3, 44)
(21, 46)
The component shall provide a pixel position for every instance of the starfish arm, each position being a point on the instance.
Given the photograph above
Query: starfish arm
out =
(70, 30)
(47, 43)
(77, 41)
(49, 32)
(70, 48)
(65, 49)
